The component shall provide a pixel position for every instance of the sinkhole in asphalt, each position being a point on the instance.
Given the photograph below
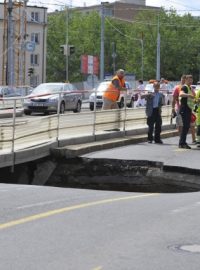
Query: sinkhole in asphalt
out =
(124, 175)
(105, 174)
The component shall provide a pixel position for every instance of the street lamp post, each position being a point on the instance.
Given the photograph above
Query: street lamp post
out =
(102, 42)
(142, 60)
(142, 55)
(66, 42)
(158, 54)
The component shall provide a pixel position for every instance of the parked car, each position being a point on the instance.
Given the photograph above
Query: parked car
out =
(101, 88)
(45, 98)
(9, 92)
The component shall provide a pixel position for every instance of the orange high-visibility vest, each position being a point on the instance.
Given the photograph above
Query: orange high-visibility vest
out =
(113, 93)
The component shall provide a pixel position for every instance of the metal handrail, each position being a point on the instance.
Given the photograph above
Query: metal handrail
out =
(20, 133)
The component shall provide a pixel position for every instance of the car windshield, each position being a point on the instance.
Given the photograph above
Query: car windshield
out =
(47, 88)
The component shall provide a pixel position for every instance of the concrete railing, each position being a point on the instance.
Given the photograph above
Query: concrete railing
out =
(22, 133)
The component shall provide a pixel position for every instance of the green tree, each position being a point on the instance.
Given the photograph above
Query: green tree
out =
(179, 46)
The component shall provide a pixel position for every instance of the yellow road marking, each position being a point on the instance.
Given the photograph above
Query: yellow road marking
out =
(98, 268)
(180, 150)
(67, 209)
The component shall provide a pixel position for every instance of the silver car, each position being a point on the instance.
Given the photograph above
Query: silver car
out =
(45, 98)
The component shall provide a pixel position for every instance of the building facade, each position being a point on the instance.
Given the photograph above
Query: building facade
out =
(28, 46)
(124, 10)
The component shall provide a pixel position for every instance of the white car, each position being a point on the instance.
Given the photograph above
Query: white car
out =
(124, 95)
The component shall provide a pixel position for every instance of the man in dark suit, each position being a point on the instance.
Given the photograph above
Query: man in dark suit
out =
(154, 100)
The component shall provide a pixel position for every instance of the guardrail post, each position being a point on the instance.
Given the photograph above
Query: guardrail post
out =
(95, 111)
(125, 99)
(13, 137)
(58, 119)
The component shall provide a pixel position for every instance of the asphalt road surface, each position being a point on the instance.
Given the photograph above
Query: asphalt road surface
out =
(47, 228)
(168, 153)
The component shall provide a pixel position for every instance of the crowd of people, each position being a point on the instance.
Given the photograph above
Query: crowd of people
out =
(184, 107)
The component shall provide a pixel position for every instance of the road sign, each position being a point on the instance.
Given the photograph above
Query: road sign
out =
(30, 46)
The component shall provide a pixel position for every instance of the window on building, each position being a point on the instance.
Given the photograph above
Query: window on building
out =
(35, 38)
(35, 16)
(34, 59)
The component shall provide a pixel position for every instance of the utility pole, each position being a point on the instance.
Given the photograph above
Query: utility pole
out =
(142, 61)
(114, 55)
(22, 45)
(158, 54)
(102, 40)
(66, 42)
(10, 48)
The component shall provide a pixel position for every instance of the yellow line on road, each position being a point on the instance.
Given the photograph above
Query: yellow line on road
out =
(98, 268)
(67, 209)
(180, 150)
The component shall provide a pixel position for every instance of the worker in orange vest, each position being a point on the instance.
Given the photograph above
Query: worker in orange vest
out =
(112, 93)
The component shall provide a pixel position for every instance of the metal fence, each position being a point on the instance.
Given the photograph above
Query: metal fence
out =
(19, 133)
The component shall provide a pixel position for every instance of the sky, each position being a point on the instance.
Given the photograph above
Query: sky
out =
(192, 6)
(182, 6)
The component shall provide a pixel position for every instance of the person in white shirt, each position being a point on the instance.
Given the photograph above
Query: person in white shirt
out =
(140, 88)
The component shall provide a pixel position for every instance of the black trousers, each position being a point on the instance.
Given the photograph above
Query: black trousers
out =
(154, 122)
(185, 113)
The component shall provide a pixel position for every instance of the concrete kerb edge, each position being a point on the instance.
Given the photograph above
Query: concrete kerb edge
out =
(71, 151)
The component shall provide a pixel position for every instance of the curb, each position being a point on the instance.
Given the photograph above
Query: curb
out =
(76, 150)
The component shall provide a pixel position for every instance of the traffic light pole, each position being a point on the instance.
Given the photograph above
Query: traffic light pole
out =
(10, 52)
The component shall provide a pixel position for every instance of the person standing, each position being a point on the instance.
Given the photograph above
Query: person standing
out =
(176, 109)
(112, 93)
(198, 114)
(176, 104)
(154, 103)
(186, 105)
(140, 89)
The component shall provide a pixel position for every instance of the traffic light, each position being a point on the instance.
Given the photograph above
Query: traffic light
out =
(71, 49)
(30, 71)
(63, 49)
(67, 50)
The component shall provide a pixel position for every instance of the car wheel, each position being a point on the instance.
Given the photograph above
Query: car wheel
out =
(27, 112)
(91, 106)
(78, 107)
(62, 108)
(121, 103)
